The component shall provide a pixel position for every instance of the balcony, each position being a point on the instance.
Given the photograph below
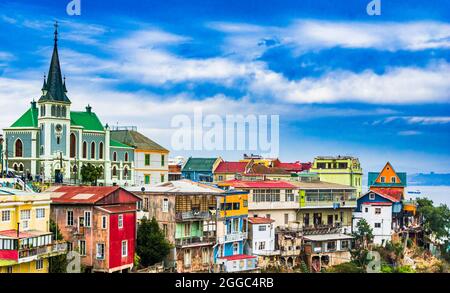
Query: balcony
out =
(232, 237)
(30, 254)
(195, 241)
(329, 202)
(193, 216)
(273, 205)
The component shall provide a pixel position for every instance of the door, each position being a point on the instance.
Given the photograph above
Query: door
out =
(58, 176)
(317, 219)
(330, 220)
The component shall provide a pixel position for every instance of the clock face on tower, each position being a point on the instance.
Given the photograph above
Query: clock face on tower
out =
(58, 128)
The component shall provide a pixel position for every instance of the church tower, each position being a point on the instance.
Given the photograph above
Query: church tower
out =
(54, 120)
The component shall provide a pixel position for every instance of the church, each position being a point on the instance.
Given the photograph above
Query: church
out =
(52, 142)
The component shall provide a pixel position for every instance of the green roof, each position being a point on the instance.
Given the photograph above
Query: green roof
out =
(199, 164)
(118, 144)
(137, 140)
(88, 120)
(372, 176)
(28, 119)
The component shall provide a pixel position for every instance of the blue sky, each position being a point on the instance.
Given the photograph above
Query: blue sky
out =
(342, 82)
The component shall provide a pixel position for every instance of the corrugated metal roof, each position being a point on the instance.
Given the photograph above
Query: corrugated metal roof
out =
(199, 164)
(71, 194)
(259, 184)
(137, 140)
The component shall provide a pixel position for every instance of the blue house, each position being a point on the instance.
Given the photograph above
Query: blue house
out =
(199, 169)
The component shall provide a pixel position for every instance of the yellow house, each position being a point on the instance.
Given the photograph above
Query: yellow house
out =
(25, 240)
(341, 170)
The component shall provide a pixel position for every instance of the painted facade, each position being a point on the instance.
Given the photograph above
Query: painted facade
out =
(200, 169)
(26, 242)
(341, 170)
(388, 181)
(99, 223)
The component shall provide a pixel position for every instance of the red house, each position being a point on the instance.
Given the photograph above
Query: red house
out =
(99, 223)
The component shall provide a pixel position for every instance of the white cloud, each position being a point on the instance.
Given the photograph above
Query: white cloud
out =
(409, 133)
(422, 120)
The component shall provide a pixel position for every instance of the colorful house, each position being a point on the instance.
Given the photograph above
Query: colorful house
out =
(379, 210)
(341, 170)
(232, 232)
(99, 223)
(273, 199)
(26, 242)
(388, 181)
(150, 159)
(200, 169)
(187, 213)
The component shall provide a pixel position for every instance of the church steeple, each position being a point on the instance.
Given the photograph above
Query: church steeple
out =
(54, 88)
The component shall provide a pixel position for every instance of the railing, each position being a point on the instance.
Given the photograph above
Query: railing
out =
(193, 215)
(232, 237)
(336, 202)
(42, 250)
(194, 240)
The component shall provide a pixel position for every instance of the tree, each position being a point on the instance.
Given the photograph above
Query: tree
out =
(363, 233)
(58, 263)
(152, 246)
(90, 173)
(347, 267)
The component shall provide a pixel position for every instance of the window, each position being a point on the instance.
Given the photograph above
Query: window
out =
(377, 211)
(289, 195)
(262, 245)
(73, 145)
(377, 225)
(147, 179)
(25, 214)
(344, 244)
(124, 248)
(58, 140)
(163, 158)
(87, 219)
(115, 156)
(42, 110)
(220, 177)
(147, 160)
(63, 111)
(9, 270)
(331, 245)
(18, 148)
(165, 207)
(92, 150)
(39, 264)
(321, 165)
(53, 110)
(84, 150)
(286, 219)
(40, 213)
(126, 157)
(69, 218)
(6, 216)
(58, 111)
(69, 246)
(82, 247)
(372, 196)
(100, 251)
(125, 173)
(162, 178)
(235, 248)
(366, 210)
(104, 222)
(383, 179)
(165, 229)
(262, 228)
(146, 204)
(120, 221)
(205, 255)
(393, 179)
(187, 258)
(100, 151)
(187, 229)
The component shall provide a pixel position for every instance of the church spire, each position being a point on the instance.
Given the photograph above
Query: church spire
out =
(55, 89)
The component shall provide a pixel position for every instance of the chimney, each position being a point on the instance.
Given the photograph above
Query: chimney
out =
(33, 104)
(88, 109)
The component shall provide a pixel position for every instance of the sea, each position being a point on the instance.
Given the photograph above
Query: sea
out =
(438, 194)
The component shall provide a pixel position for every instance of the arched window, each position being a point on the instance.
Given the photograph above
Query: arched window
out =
(92, 150)
(18, 148)
(42, 110)
(21, 167)
(58, 111)
(84, 150)
(15, 167)
(125, 172)
(114, 171)
(63, 111)
(53, 110)
(126, 157)
(115, 156)
(73, 145)
(100, 151)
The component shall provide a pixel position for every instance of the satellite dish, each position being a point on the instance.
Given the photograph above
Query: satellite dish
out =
(143, 189)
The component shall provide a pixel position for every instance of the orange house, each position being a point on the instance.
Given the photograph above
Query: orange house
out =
(388, 182)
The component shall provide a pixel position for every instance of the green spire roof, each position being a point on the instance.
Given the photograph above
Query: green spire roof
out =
(87, 120)
(54, 89)
(28, 119)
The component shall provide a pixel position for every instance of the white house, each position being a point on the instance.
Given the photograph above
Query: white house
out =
(376, 208)
(261, 235)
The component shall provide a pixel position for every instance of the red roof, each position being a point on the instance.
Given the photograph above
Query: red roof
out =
(80, 194)
(260, 220)
(260, 184)
(237, 257)
(23, 234)
(174, 169)
(122, 208)
(387, 196)
(293, 167)
(231, 167)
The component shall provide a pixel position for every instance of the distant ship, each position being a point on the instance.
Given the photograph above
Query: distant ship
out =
(414, 192)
